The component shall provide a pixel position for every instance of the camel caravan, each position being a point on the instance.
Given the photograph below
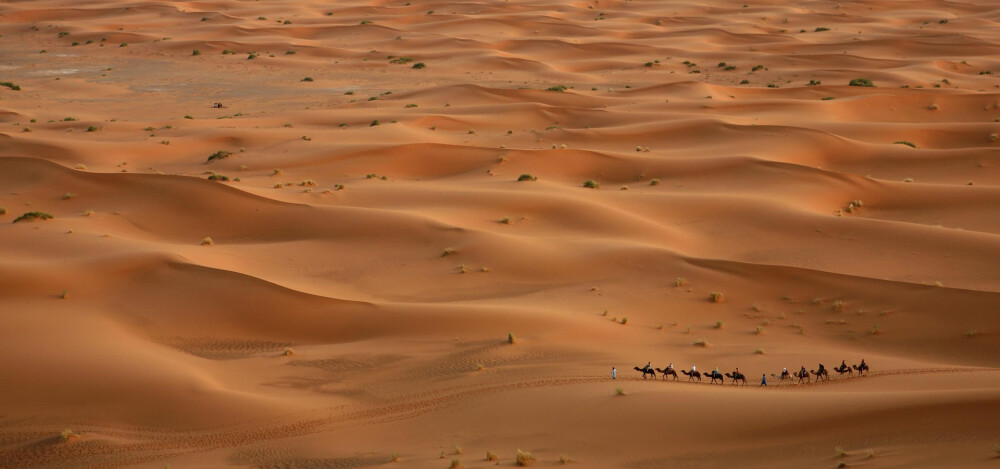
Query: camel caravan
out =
(737, 378)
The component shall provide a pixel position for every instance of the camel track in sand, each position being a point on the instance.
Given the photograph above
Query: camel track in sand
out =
(42, 449)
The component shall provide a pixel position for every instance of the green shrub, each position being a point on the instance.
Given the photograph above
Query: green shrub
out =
(217, 177)
(526, 177)
(220, 155)
(591, 184)
(861, 82)
(419, 65)
(557, 88)
(10, 85)
(33, 216)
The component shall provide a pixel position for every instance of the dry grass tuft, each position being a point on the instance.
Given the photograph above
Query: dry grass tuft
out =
(447, 252)
(68, 434)
(524, 458)
(511, 339)
(458, 449)
(716, 296)
(207, 241)
(680, 282)
(619, 391)
(563, 459)
(702, 343)
(394, 457)
(719, 324)
(455, 464)
(491, 456)
(288, 352)
(760, 351)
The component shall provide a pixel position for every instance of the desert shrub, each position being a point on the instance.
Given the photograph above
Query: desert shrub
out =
(394, 457)
(702, 343)
(591, 184)
(307, 79)
(67, 434)
(447, 252)
(30, 216)
(510, 338)
(619, 391)
(68, 195)
(491, 456)
(904, 142)
(624, 320)
(680, 282)
(10, 85)
(759, 351)
(93, 129)
(557, 88)
(526, 177)
(3, 210)
(563, 459)
(455, 464)
(861, 82)
(719, 324)
(207, 241)
(524, 458)
(220, 155)
(419, 65)
(217, 177)
(716, 296)
(505, 220)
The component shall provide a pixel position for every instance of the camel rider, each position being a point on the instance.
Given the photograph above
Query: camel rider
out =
(784, 371)
(737, 372)
(821, 369)
(843, 364)
(649, 366)
(803, 371)
(862, 363)
(670, 366)
(695, 368)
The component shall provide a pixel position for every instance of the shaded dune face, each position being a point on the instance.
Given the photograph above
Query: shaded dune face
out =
(339, 234)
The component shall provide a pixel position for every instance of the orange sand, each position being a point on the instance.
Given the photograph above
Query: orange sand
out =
(392, 260)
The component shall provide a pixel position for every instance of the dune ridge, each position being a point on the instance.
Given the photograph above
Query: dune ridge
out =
(417, 232)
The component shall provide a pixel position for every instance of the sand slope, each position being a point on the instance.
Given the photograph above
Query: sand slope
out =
(400, 185)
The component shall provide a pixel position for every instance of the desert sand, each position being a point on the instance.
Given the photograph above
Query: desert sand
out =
(326, 270)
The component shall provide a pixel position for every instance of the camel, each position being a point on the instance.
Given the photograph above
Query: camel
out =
(784, 375)
(715, 375)
(646, 371)
(801, 375)
(667, 372)
(844, 369)
(737, 377)
(692, 375)
(821, 374)
(862, 368)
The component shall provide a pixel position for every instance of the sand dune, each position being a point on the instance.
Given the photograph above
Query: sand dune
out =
(323, 271)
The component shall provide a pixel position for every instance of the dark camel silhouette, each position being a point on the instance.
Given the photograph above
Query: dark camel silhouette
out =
(715, 375)
(692, 375)
(646, 371)
(801, 375)
(844, 369)
(821, 374)
(862, 369)
(737, 377)
(667, 372)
